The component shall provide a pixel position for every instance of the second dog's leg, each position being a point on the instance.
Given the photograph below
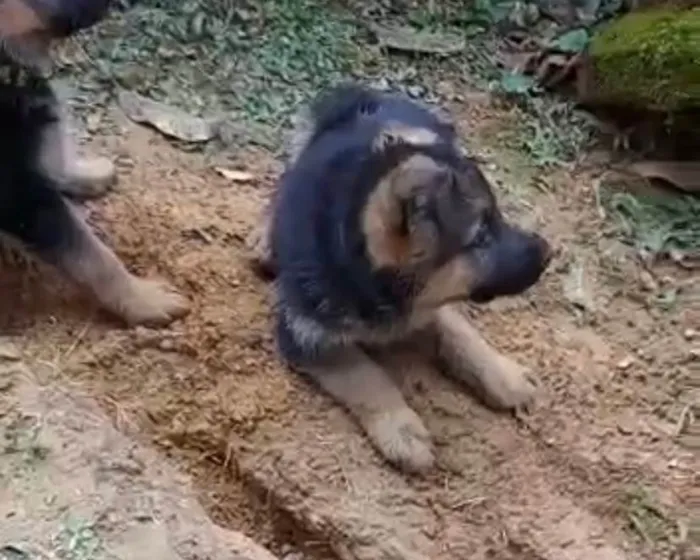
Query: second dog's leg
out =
(367, 391)
(75, 176)
(465, 355)
(45, 223)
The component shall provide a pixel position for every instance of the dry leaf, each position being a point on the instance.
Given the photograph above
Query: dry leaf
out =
(684, 175)
(168, 120)
(403, 38)
(235, 175)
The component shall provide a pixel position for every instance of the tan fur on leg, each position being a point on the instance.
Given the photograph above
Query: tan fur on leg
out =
(137, 301)
(258, 243)
(499, 381)
(78, 176)
(370, 395)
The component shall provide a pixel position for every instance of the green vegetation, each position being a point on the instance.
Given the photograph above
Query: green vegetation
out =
(656, 223)
(650, 59)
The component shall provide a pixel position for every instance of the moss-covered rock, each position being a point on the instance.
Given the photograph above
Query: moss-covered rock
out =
(649, 59)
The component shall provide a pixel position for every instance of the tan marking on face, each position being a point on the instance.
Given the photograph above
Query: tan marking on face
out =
(387, 245)
(395, 132)
(451, 282)
(17, 19)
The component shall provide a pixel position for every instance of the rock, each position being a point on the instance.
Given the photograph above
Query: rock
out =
(169, 120)
(8, 351)
(647, 60)
(625, 363)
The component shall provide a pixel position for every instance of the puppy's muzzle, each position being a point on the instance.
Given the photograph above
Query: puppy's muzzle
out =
(514, 263)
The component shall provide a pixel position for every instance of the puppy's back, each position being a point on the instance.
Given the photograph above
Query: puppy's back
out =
(349, 105)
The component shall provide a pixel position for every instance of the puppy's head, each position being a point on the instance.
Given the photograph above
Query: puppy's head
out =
(433, 217)
(27, 27)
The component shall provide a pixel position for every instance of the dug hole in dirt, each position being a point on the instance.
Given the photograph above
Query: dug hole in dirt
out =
(110, 420)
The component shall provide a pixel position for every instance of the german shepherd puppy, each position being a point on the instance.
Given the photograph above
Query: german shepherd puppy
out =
(378, 228)
(39, 168)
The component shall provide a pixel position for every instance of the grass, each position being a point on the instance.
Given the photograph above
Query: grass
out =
(253, 63)
(22, 438)
(655, 224)
(646, 518)
(257, 62)
(78, 540)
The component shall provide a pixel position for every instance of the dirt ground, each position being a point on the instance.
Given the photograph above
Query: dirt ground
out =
(602, 468)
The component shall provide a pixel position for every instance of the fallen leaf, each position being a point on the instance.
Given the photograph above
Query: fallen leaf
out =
(575, 287)
(684, 175)
(404, 38)
(235, 175)
(168, 120)
(572, 42)
(514, 82)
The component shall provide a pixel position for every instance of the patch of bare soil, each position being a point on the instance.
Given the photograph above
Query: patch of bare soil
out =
(74, 487)
(598, 470)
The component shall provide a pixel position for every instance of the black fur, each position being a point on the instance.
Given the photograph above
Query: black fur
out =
(32, 209)
(66, 17)
(324, 275)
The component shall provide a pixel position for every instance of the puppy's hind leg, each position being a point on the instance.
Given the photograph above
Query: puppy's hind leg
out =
(45, 223)
(370, 395)
(464, 354)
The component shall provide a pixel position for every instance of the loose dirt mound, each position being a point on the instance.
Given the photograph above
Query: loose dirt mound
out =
(80, 489)
(272, 457)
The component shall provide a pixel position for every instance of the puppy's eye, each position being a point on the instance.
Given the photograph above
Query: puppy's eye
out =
(477, 235)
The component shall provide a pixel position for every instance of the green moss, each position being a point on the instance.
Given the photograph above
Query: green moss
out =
(650, 59)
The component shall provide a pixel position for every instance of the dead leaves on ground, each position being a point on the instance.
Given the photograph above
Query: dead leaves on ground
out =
(683, 175)
(550, 62)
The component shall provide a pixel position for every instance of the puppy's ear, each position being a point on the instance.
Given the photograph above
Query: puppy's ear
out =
(398, 231)
(394, 133)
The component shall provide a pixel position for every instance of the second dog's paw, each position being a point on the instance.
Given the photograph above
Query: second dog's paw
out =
(148, 302)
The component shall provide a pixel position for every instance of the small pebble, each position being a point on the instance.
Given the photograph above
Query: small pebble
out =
(9, 352)
(690, 334)
(625, 428)
(167, 345)
(625, 363)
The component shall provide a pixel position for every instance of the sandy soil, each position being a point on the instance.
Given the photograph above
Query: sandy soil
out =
(603, 467)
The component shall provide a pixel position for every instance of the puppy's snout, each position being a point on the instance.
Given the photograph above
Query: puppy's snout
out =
(513, 264)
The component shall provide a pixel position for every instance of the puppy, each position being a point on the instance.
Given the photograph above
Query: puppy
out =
(378, 229)
(39, 168)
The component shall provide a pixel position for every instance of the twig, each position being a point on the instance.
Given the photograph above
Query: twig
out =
(685, 419)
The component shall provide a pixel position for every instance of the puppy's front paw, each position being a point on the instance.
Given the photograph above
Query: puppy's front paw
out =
(510, 386)
(148, 302)
(90, 177)
(402, 438)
